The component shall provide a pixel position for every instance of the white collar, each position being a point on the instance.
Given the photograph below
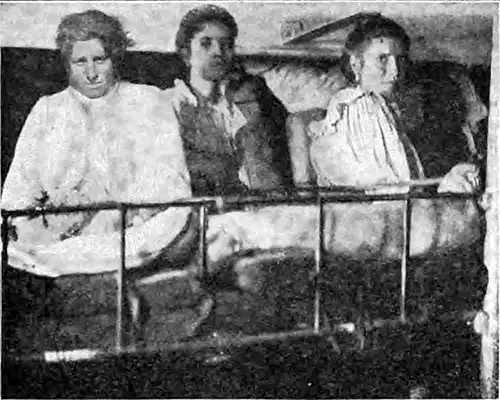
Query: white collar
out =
(184, 93)
(86, 101)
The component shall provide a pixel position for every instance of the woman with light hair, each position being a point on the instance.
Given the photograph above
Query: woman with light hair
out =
(88, 25)
(99, 140)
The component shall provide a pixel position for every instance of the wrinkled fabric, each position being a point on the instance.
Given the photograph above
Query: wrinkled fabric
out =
(360, 143)
(358, 231)
(77, 151)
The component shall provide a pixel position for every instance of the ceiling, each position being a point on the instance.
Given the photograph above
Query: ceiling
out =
(456, 31)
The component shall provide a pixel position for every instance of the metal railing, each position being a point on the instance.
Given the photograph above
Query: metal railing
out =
(314, 196)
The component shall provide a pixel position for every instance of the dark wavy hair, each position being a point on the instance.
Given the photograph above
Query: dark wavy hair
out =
(93, 24)
(366, 30)
(194, 22)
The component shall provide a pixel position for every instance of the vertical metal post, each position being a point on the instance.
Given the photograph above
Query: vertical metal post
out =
(318, 263)
(5, 240)
(489, 360)
(203, 241)
(405, 257)
(120, 298)
(210, 320)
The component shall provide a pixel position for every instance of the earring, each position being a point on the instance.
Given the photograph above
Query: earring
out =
(355, 70)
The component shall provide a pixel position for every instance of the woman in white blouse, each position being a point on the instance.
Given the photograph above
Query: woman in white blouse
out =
(100, 139)
(362, 140)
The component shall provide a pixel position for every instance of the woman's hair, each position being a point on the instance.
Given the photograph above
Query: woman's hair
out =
(92, 24)
(364, 32)
(195, 20)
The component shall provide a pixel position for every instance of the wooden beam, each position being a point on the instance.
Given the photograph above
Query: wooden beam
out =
(312, 53)
(329, 27)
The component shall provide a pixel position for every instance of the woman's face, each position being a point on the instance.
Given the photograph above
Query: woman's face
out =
(90, 69)
(379, 65)
(211, 52)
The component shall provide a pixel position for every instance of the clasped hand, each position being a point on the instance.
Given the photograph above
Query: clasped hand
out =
(462, 178)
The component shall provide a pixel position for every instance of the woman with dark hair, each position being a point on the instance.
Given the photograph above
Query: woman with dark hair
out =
(363, 140)
(194, 22)
(359, 143)
(232, 127)
(363, 34)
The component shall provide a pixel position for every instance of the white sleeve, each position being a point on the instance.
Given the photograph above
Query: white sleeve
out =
(164, 177)
(327, 125)
(22, 184)
(164, 171)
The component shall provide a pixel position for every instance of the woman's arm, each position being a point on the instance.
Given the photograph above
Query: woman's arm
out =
(299, 143)
(22, 187)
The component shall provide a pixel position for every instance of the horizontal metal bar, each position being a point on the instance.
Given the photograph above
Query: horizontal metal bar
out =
(101, 206)
(213, 342)
(216, 342)
(349, 197)
(295, 197)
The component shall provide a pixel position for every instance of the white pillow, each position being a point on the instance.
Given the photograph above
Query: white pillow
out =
(301, 87)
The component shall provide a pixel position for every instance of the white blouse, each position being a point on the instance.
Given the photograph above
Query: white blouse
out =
(359, 143)
(77, 151)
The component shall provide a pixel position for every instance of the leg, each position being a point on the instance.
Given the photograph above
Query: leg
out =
(205, 321)
(26, 298)
(138, 315)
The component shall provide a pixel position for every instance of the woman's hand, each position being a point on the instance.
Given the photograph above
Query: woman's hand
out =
(462, 178)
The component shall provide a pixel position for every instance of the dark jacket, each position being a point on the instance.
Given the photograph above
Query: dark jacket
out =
(214, 159)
